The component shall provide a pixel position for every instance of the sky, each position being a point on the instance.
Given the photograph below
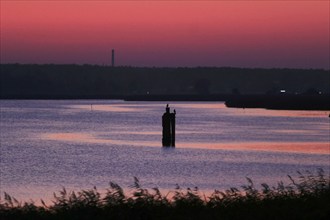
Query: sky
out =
(267, 34)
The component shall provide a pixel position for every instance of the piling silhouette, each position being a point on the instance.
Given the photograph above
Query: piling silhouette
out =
(168, 123)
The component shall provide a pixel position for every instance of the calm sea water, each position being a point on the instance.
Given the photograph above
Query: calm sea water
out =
(47, 145)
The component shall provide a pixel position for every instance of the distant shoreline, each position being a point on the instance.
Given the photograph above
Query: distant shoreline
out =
(281, 102)
(20, 81)
(218, 97)
(278, 102)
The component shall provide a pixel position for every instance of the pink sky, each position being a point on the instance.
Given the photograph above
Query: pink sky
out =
(292, 34)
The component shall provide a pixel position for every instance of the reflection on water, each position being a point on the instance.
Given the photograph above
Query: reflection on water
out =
(314, 148)
(108, 108)
(282, 113)
(87, 138)
(80, 137)
(78, 144)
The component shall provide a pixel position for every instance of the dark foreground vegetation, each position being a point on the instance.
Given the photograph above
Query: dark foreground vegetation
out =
(305, 198)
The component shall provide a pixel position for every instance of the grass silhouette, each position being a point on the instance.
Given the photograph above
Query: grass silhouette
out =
(308, 197)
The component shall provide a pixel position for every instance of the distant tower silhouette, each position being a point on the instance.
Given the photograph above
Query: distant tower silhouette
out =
(113, 58)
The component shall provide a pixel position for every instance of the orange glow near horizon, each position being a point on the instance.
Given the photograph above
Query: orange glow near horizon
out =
(167, 33)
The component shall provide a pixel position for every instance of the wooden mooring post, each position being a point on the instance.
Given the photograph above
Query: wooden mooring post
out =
(168, 123)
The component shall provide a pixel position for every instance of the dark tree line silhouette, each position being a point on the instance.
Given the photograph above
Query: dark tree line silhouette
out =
(92, 81)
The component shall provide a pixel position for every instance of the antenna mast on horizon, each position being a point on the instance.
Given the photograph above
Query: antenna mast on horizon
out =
(113, 58)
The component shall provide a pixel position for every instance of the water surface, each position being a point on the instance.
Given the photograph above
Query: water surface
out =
(46, 145)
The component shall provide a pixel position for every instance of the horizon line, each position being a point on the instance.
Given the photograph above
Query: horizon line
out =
(169, 67)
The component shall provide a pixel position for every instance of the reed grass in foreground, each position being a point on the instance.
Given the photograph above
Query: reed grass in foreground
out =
(308, 197)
